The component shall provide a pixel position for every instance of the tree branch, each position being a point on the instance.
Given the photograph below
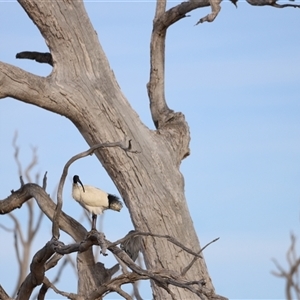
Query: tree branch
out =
(172, 126)
(169, 238)
(55, 224)
(37, 270)
(66, 223)
(16, 153)
(160, 111)
(185, 270)
(32, 190)
(3, 294)
(25, 241)
(291, 276)
(162, 277)
(6, 228)
(156, 90)
(90, 240)
(135, 291)
(41, 263)
(121, 293)
(93, 239)
(17, 229)
(115, 284)
(32, 89)
(17, 250)
(22, 85)
(71, 296)
(271, 3)
(52, 262)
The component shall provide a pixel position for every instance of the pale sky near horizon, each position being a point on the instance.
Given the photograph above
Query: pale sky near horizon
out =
(237, 80)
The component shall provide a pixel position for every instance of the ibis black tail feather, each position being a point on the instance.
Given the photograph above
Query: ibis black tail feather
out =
(114, 202)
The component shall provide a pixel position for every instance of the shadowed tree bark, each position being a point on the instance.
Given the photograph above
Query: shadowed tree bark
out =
(82, 87)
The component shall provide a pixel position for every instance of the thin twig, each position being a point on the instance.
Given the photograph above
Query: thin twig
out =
(17, 228)
(185, 270)
(38, 223)
(291, 275)
(6, 228)
(122, 293)
(32, 164)
(48, 283)
(17, 250)
(135, 285)
(135, 291)
(168, 237)
(16, 154)
(163, 278)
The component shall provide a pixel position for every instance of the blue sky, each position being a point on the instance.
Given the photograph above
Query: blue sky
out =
(237, 80)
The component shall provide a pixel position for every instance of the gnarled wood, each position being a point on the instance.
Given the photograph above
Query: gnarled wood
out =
(37, 270)
(91, 274)
(83, 88)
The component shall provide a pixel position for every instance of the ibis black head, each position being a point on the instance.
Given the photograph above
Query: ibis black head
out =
(76, 179)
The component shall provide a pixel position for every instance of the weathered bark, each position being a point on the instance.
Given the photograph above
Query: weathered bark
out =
(83, 88)
(37, 270)
(90, 273)
(3, 294)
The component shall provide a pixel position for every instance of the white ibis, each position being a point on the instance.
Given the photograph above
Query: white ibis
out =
(93, 199)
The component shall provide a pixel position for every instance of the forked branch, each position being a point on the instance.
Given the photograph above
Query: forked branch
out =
(292, 274)
(163, 19)
(162, 277)
(41, 261)
(32, 190)
(37, 270)
(19, 84)
(160, 111)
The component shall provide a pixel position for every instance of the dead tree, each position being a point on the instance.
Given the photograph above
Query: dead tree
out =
(82, 87)
(291, 276)
(94, 280)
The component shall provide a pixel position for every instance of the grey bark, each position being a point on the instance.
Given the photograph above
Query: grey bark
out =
(83, 88)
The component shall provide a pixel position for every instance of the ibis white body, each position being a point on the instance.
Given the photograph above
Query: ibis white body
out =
(93, 199)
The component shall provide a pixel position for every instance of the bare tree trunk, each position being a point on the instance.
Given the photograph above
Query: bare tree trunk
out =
(83, 88)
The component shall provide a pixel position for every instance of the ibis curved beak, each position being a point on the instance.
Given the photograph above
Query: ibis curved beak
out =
(81, 185)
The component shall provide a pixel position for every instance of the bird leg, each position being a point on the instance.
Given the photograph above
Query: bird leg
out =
(94, 219)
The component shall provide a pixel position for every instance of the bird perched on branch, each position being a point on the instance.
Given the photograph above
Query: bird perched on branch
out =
(93, 199)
